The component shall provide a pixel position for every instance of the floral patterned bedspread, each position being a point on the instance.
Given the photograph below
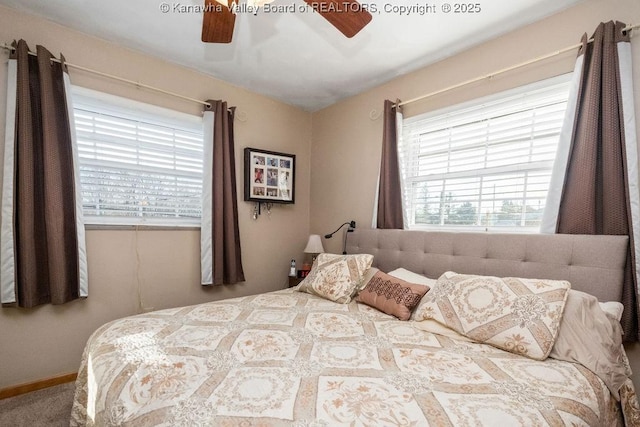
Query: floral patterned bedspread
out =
(289, 358)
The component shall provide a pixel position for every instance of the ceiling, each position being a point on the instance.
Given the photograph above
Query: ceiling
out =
(297, 58)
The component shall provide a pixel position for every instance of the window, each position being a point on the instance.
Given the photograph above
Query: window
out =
(139, 164)
(485, 164)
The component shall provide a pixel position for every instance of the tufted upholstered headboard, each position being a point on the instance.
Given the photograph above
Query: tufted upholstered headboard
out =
(593, 264)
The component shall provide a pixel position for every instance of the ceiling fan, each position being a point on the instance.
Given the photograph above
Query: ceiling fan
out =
(349, 17)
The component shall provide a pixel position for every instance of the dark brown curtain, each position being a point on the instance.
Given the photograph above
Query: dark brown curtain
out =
(227, 257)
(389, 191)
(595, 196)
(45, 236)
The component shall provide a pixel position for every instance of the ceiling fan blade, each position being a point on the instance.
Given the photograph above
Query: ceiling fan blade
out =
(218, 22)
(349, 17)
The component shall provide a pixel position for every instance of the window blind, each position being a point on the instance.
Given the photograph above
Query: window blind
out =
(138, 164)
(484, 164)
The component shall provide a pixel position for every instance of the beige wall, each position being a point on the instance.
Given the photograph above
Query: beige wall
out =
(154, 269)
(343, 157)
(345, 153)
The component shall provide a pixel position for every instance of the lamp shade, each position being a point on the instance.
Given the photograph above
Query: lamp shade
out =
(314, 245)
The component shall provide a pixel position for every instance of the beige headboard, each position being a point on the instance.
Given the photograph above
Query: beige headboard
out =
(593, 264)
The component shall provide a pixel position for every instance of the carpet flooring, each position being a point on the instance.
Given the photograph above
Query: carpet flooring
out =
(43, 408)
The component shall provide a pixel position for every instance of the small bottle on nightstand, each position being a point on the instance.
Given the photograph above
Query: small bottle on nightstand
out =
(292, 270)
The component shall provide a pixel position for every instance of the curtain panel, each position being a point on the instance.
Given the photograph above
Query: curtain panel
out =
(221, 257)
(390, 210)
(594, 187)
(42, 254)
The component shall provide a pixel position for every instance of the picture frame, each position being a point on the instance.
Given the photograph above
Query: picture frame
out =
(269, 176)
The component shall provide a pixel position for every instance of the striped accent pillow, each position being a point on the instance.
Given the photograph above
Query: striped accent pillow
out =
(392, 295)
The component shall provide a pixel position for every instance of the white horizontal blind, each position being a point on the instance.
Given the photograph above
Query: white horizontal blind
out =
(486, 164)
(139, 164)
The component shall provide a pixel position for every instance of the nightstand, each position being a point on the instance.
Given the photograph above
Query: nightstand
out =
(294, 281)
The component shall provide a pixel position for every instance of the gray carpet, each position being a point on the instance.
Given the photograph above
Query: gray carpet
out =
(48, 407)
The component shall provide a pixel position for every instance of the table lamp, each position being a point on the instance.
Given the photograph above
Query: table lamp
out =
(314, 246)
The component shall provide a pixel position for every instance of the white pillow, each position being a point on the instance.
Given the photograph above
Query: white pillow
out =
(593, 338)
(411, 277)
(613, 309)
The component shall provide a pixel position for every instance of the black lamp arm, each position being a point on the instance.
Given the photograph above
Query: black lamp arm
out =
(352, 225)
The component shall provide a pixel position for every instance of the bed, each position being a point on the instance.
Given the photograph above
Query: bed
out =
(293, 358)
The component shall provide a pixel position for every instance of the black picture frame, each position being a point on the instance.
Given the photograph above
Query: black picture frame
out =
(269, 176)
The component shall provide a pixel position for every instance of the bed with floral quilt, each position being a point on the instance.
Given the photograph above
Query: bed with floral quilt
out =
(355, 346)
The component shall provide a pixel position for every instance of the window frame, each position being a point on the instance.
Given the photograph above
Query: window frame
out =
(152, 114)
(564, 79)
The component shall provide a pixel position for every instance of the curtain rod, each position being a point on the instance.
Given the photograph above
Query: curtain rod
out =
(120, 79)
(503, 70)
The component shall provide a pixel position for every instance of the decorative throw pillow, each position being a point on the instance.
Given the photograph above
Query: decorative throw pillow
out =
(336, 277)
(517, 315)
(365, 279)
(392, 295)
(411, 277)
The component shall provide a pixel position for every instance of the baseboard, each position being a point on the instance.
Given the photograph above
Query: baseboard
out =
(36, 385)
